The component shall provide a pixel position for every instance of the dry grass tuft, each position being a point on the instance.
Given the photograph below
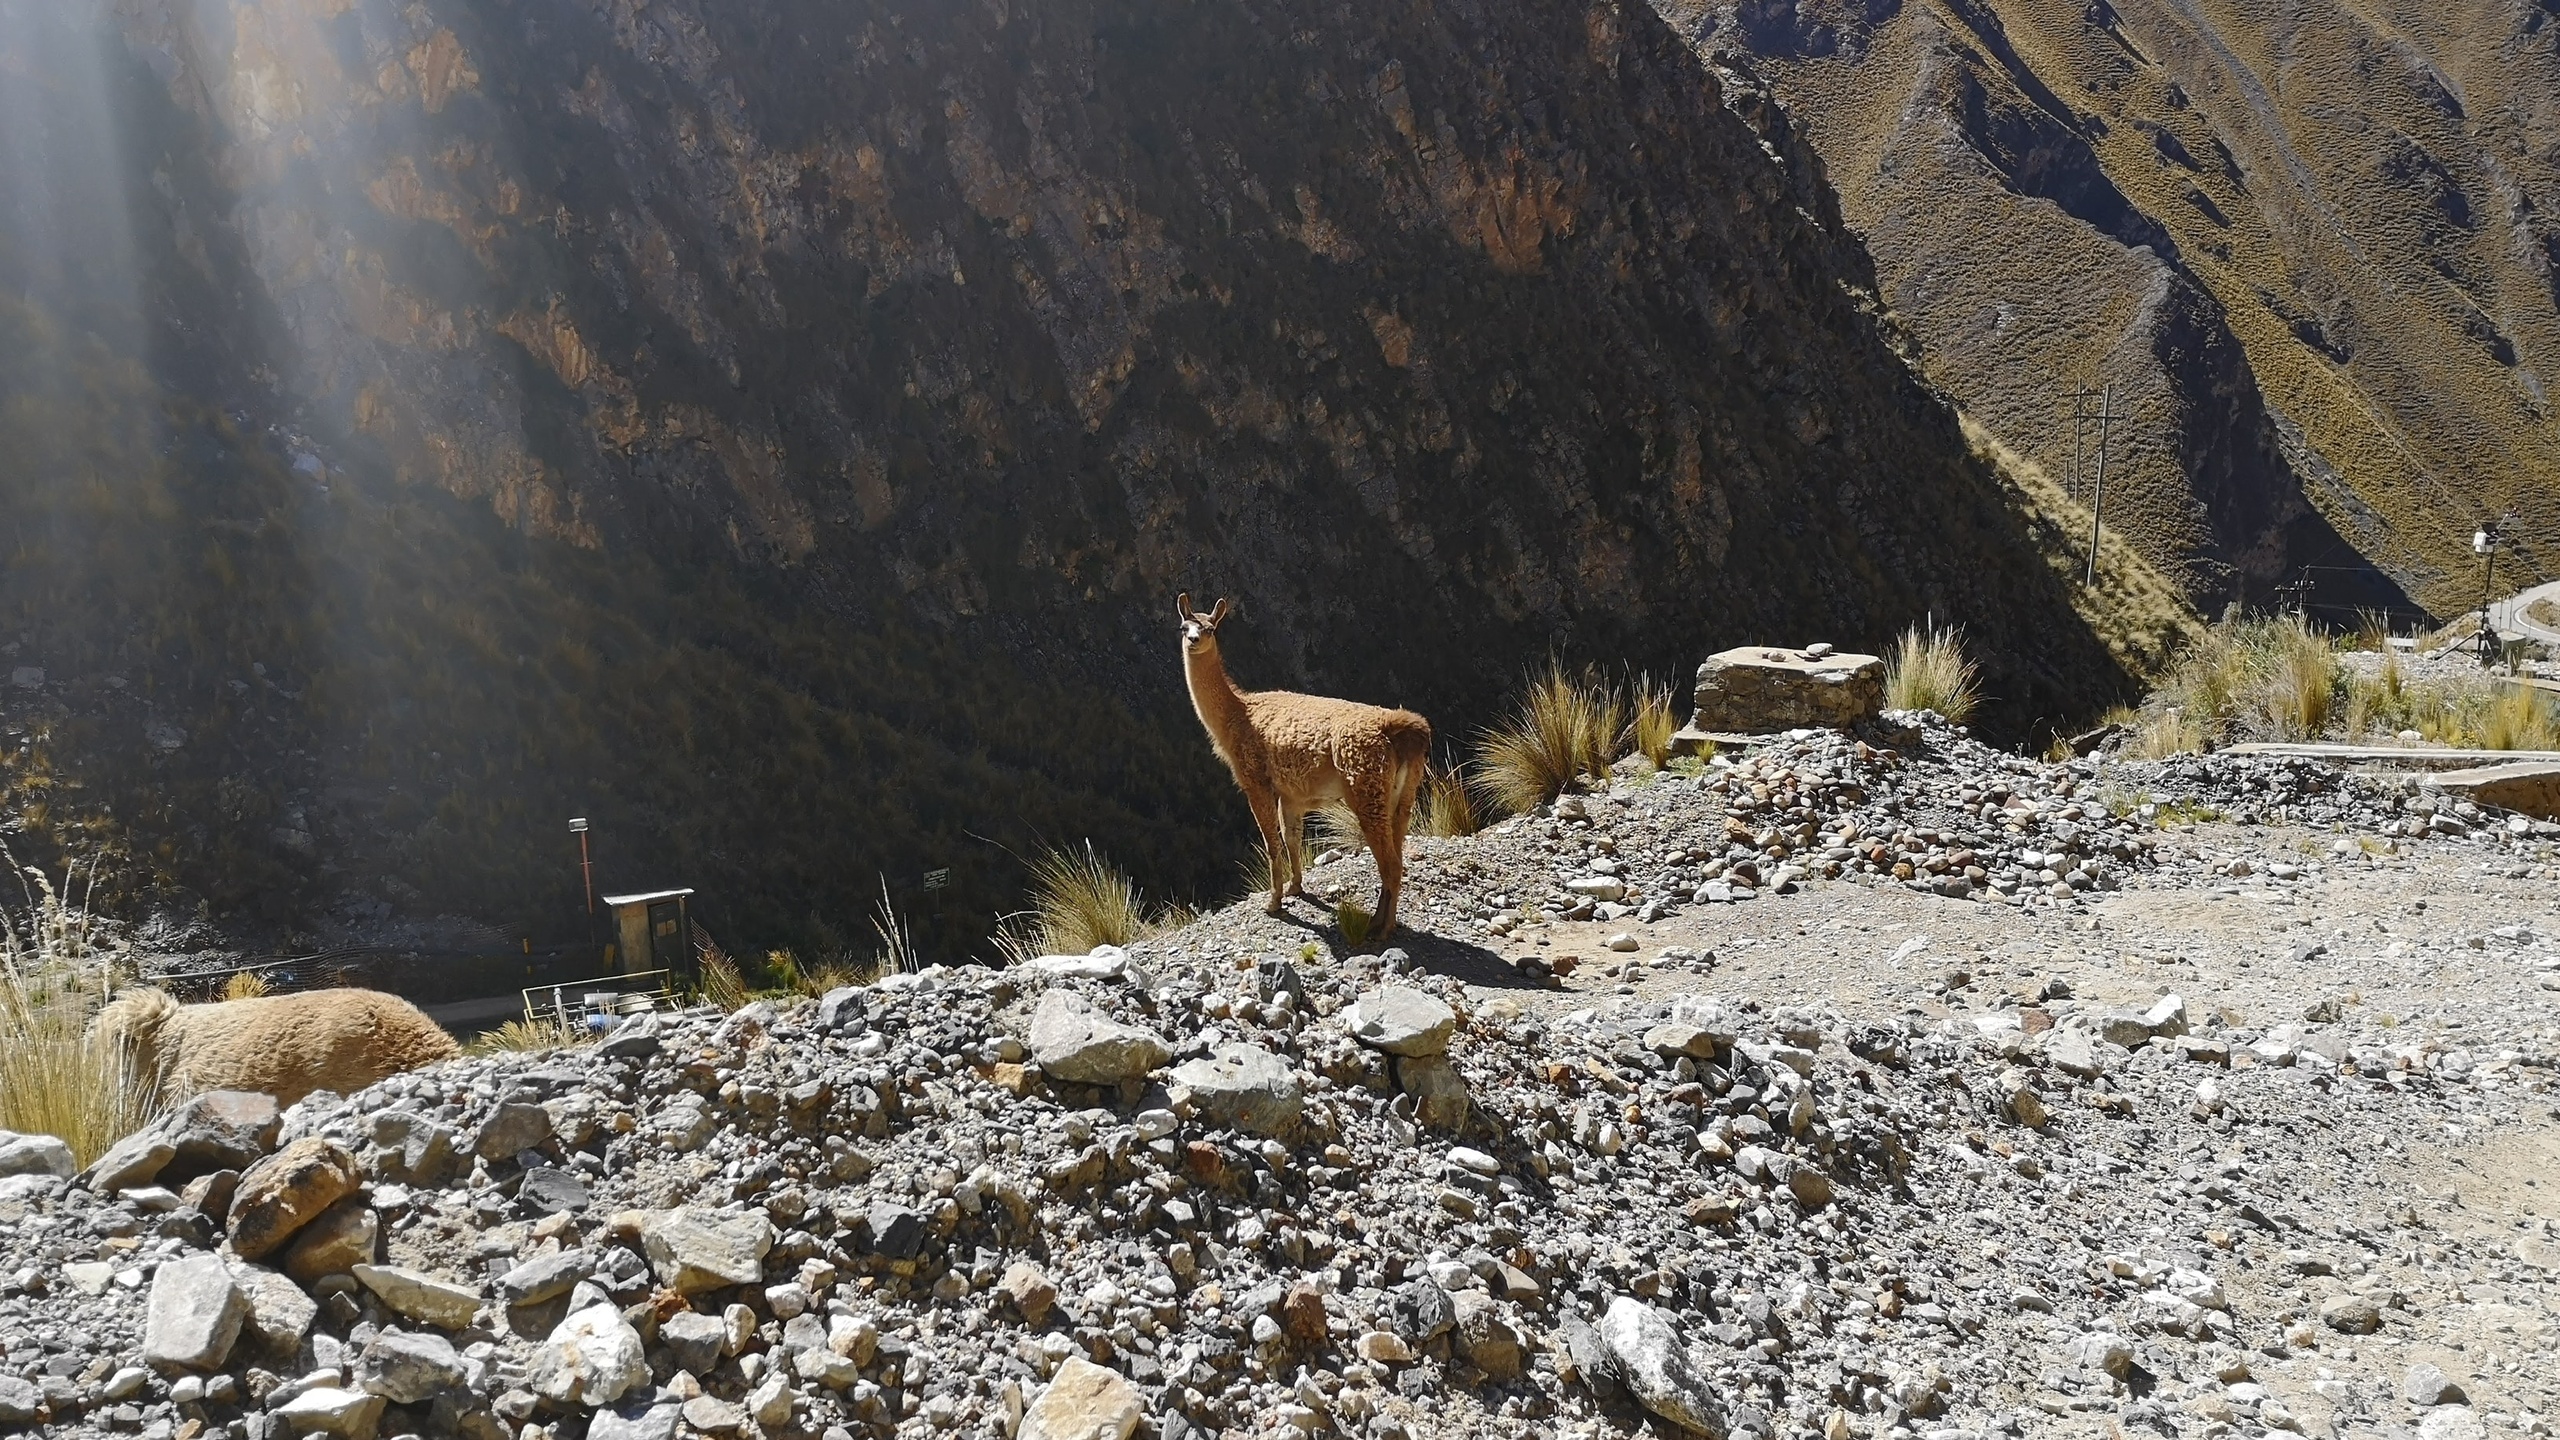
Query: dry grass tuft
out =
(1333, 827)
(2372, 632)
(54, 1079)
(517, 1036)
(1079, 902)
(1082, 901)
(1354, 921)
(2303, 682)
(1446, 806)
(244, 985)
(2480, 712)
(1650, 732)
(897, 955)
(2263, 679)
(1928, 670)
(2523, 718)
(1564, 730)
(723, 987)
(2164, 733)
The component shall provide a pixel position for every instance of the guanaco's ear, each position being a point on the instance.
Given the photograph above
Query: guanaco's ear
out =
(1218, 615)
(1182, 606)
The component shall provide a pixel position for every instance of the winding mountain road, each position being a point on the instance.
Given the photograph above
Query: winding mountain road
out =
(2513, 615)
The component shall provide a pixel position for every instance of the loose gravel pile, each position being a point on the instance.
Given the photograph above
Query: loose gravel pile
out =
(1222, 1186)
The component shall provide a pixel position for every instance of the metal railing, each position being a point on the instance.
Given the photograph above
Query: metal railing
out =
(606, 998)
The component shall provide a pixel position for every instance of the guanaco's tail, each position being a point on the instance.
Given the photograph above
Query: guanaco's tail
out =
(1409, 743)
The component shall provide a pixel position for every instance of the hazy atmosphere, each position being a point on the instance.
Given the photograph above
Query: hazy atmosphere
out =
(1037, 720)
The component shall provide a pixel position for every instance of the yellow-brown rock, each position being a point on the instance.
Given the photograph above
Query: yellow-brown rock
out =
(284, 1192)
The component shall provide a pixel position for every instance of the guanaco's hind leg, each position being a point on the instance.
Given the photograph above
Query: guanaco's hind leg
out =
(1376, 816)
(1391, 858)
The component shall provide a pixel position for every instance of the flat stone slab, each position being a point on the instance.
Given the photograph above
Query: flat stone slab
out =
(1401, 1021)
(2530, 787)
(1246, 1086)
(1754, 689)
(1072, 1040)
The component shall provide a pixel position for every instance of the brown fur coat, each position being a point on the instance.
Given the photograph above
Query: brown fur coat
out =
(281, 1045)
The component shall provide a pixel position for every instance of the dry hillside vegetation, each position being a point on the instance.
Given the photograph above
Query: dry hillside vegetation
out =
(2312, 247)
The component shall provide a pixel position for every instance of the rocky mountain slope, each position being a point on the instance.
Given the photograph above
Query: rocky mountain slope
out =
(2232, 1128)
(774, 430)
(2313, 247)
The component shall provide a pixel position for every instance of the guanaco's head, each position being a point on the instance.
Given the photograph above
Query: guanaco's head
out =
(1199, 631)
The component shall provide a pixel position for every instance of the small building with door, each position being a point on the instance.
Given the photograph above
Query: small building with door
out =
(653, 931)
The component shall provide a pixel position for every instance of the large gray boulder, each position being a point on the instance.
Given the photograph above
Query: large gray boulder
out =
(1655, 1366)
(409, 1367)
(1073, 1041)
(545, 1277)
(510, 1130)
(195, 1315)
(692, 1250)
(222, 1130)
(1401, 1020)
(419, 1296)
(591, 1359)
(331, 1410)
(35, 1155)
(20, 1401)
(130, 1163)
(280, 1313)
(1245, 1086)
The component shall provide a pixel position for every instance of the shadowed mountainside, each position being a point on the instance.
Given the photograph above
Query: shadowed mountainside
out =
(775, 429)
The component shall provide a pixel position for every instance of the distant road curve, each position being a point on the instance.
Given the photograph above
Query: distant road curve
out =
(2512, 615)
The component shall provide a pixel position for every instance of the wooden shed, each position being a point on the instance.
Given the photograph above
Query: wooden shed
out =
(654, 932)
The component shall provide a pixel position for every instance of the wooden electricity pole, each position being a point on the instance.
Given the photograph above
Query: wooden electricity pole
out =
(2106, 416)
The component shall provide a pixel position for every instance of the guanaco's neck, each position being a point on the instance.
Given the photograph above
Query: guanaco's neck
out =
(1214, 697)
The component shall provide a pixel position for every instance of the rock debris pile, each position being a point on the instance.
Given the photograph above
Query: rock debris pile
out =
(1937, 812)
(1188, 1192)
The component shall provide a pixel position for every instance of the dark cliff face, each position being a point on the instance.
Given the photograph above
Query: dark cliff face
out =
(776, 430)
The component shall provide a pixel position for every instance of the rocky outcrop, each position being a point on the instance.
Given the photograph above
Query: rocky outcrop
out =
(1753, 689)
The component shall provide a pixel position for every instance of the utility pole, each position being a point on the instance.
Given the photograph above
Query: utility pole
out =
(2106, 417)
(586, 867)
(2292, 595)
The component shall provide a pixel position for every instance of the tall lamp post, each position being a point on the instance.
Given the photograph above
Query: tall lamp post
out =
(2484, 543)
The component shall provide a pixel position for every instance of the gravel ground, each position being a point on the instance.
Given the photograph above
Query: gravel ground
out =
(1887, 1087)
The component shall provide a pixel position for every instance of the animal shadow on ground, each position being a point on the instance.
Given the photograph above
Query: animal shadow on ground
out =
(1470, 963)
